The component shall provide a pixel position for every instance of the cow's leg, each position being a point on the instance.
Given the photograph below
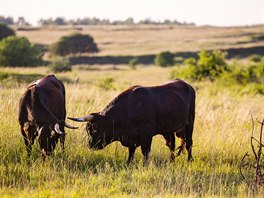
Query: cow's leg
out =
(132, 150)
(189, 141)
(170, 142)
(27, 141)
(146, 139)
(181, 148)
(62, 140)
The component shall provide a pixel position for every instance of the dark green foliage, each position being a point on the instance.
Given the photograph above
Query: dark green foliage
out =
(18, 51)
(133, 63)
(74, 44)
(164, 59)
(60, 66)
(6, 31)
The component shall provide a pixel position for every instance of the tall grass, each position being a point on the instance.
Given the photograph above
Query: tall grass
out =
(221, 137)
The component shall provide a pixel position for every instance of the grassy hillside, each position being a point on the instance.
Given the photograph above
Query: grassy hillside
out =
(152, 39)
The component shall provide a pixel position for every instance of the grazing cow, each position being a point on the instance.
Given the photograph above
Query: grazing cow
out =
(139, 113)
(41, 111)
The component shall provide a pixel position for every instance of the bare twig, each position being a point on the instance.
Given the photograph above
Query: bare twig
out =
(251, 140)
(258, 155)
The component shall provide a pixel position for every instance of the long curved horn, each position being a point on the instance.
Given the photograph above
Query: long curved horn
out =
(83, 119)
(70, 127)
(57, 129)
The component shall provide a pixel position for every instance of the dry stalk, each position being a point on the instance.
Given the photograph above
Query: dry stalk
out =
(257, 147)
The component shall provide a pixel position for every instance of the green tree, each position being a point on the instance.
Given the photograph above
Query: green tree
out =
(164, 59)
(18, 51)
(74, 44)
(6, 31)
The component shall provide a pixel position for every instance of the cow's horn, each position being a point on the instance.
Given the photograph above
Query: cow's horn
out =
(70, 127)
(57, 129)
(83, 119)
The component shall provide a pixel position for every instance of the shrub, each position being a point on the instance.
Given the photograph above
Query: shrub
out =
(164, 59)
(74, 44)
(5, 31)
(251, 74)
(18, 51)
(106, 83)
(210, 64)
(133, 63)
(190, 61)
(255, 58)
(60, 66)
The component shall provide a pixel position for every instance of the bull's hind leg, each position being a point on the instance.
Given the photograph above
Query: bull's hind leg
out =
(132, 150)
(181, 148)
(146, 139)
(181, 134)
(189, 141)
(170, 142)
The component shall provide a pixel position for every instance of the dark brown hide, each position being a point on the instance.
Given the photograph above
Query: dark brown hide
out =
(40, 108)
(139, 113)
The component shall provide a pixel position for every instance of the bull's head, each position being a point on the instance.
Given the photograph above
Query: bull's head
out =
(98, 130)
(47, 140)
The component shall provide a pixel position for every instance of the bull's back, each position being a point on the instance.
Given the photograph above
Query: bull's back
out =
(173, 102)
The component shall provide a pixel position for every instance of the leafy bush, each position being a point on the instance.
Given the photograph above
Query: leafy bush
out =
(18, 51)
(74, 44)
(164, 59)
(244, 75)
(5, 31)
(60, 66)
(210, 64)
(255, 58)
(133, 63)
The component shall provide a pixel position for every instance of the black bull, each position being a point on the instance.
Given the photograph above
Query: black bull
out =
(139, 113)
(41, 111)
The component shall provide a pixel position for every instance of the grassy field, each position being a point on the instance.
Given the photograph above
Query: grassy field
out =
(221, 134)
(152, 39)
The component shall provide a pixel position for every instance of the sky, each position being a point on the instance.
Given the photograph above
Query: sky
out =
(200, 12)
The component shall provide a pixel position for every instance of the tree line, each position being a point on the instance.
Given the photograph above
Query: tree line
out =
(89, 21)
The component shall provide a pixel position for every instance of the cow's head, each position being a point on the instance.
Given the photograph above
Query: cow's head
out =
(99, 130)
(48, 139)
(49, 135)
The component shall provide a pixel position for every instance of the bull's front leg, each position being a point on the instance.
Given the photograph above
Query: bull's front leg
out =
(146, 139)
(26, 141)
(132, 150)
(62, 140)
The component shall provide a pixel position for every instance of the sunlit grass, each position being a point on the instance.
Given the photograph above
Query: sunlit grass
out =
(221, 137)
